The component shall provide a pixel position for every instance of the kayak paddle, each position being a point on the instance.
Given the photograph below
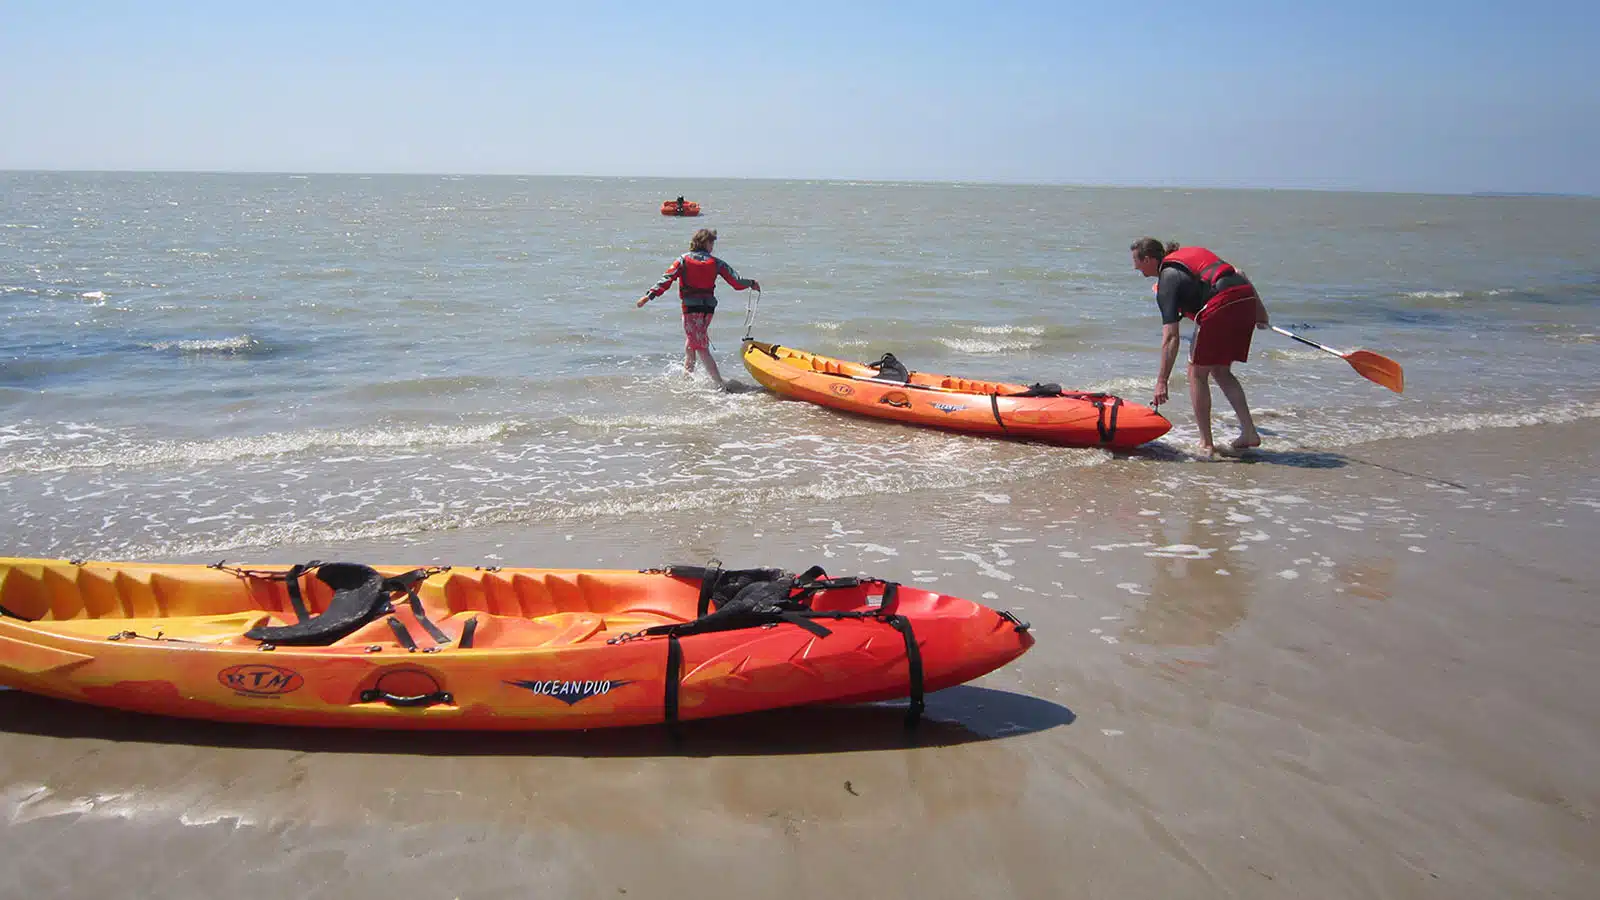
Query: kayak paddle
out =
(1372, 366)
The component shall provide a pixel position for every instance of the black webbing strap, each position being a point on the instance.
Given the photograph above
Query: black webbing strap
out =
(913, 664)
(407, 583)
(1108, 433)
(434, 631)
(402, 635)
(708, 583)
(674, 674)
(891, 592)
(803, 619)
(467, 631)
(301, 614)
(994, 405)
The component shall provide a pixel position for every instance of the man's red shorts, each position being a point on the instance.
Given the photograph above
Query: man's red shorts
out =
(1226, 323)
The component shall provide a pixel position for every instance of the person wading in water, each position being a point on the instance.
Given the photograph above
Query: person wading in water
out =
(1194, 282)
(696, 273)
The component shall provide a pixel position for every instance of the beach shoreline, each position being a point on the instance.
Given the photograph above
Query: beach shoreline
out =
(1344, 674)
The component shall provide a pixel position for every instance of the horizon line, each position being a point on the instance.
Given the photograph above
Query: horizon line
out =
(994, 182)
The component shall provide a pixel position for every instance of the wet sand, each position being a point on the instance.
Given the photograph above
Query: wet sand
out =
(1365, 673)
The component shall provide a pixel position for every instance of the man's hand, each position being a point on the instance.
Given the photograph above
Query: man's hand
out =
(1161, 393)
(642, 301)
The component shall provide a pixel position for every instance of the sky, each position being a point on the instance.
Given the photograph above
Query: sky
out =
(1405, 95)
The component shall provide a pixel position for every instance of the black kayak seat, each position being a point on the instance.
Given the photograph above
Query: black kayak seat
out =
(891, 369)
(1039, 390)
(359, 596)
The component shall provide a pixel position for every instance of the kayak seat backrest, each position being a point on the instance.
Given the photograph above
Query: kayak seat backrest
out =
(1040, 390)
(358, 598)
(891, 369)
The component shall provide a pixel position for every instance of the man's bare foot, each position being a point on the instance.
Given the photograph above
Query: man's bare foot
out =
(1207, 451)
(1245, 442)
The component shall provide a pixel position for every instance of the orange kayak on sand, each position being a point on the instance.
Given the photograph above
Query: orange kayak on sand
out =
(673, 208)
(343, 644)
(886, 390)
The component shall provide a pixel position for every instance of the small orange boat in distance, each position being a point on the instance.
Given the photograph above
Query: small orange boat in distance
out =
(680, 208)
(344, 644)
(886, 390)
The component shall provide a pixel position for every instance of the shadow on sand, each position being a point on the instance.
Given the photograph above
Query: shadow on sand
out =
(958, 715)
(1299, 459)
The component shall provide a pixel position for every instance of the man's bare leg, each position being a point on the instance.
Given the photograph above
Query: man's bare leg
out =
(1234, 391)
(1200, 397)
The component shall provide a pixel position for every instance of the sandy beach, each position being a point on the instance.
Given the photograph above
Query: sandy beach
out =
(1363, 673)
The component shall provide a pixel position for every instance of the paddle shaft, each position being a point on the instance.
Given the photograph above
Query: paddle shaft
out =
(1287, 333)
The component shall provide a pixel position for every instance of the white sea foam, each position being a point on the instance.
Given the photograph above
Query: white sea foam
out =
(1344, 434)
(972, 345)
(1134, 389)
(234, 344)
(1182, 551)
(418, 518)
(1033, 330)
(126, 454)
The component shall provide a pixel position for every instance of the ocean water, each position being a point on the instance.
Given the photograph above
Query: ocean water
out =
(194, 365)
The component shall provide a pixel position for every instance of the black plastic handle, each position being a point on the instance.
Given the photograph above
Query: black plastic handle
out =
(420, 700)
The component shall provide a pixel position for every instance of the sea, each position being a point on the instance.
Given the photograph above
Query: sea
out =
(1357, 664)
(196, 366)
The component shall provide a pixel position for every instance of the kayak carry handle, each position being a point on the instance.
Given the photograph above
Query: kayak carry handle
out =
(421, 700)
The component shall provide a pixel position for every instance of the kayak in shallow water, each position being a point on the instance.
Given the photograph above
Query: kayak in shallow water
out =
(887, 390)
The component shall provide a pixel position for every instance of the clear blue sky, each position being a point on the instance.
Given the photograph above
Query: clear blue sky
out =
(1401, 95)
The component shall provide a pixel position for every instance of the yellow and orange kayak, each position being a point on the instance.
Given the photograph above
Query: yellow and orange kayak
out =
(998, 409)
(344, 644)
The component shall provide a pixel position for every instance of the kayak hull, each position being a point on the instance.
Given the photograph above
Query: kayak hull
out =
(547, 649)
(991, 409)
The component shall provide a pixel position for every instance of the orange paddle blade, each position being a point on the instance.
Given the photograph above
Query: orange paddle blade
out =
(1378, 368)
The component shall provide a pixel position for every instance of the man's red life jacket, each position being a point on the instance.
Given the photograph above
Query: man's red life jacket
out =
(1217, 278)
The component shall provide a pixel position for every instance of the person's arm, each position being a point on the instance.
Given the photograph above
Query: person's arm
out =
(1168, 288)
(661, 286)
(732, 277)
(1169, 357)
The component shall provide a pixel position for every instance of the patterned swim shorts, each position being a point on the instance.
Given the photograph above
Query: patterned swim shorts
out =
(695, 328)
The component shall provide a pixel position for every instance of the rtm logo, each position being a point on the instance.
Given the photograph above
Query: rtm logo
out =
(260, 681)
